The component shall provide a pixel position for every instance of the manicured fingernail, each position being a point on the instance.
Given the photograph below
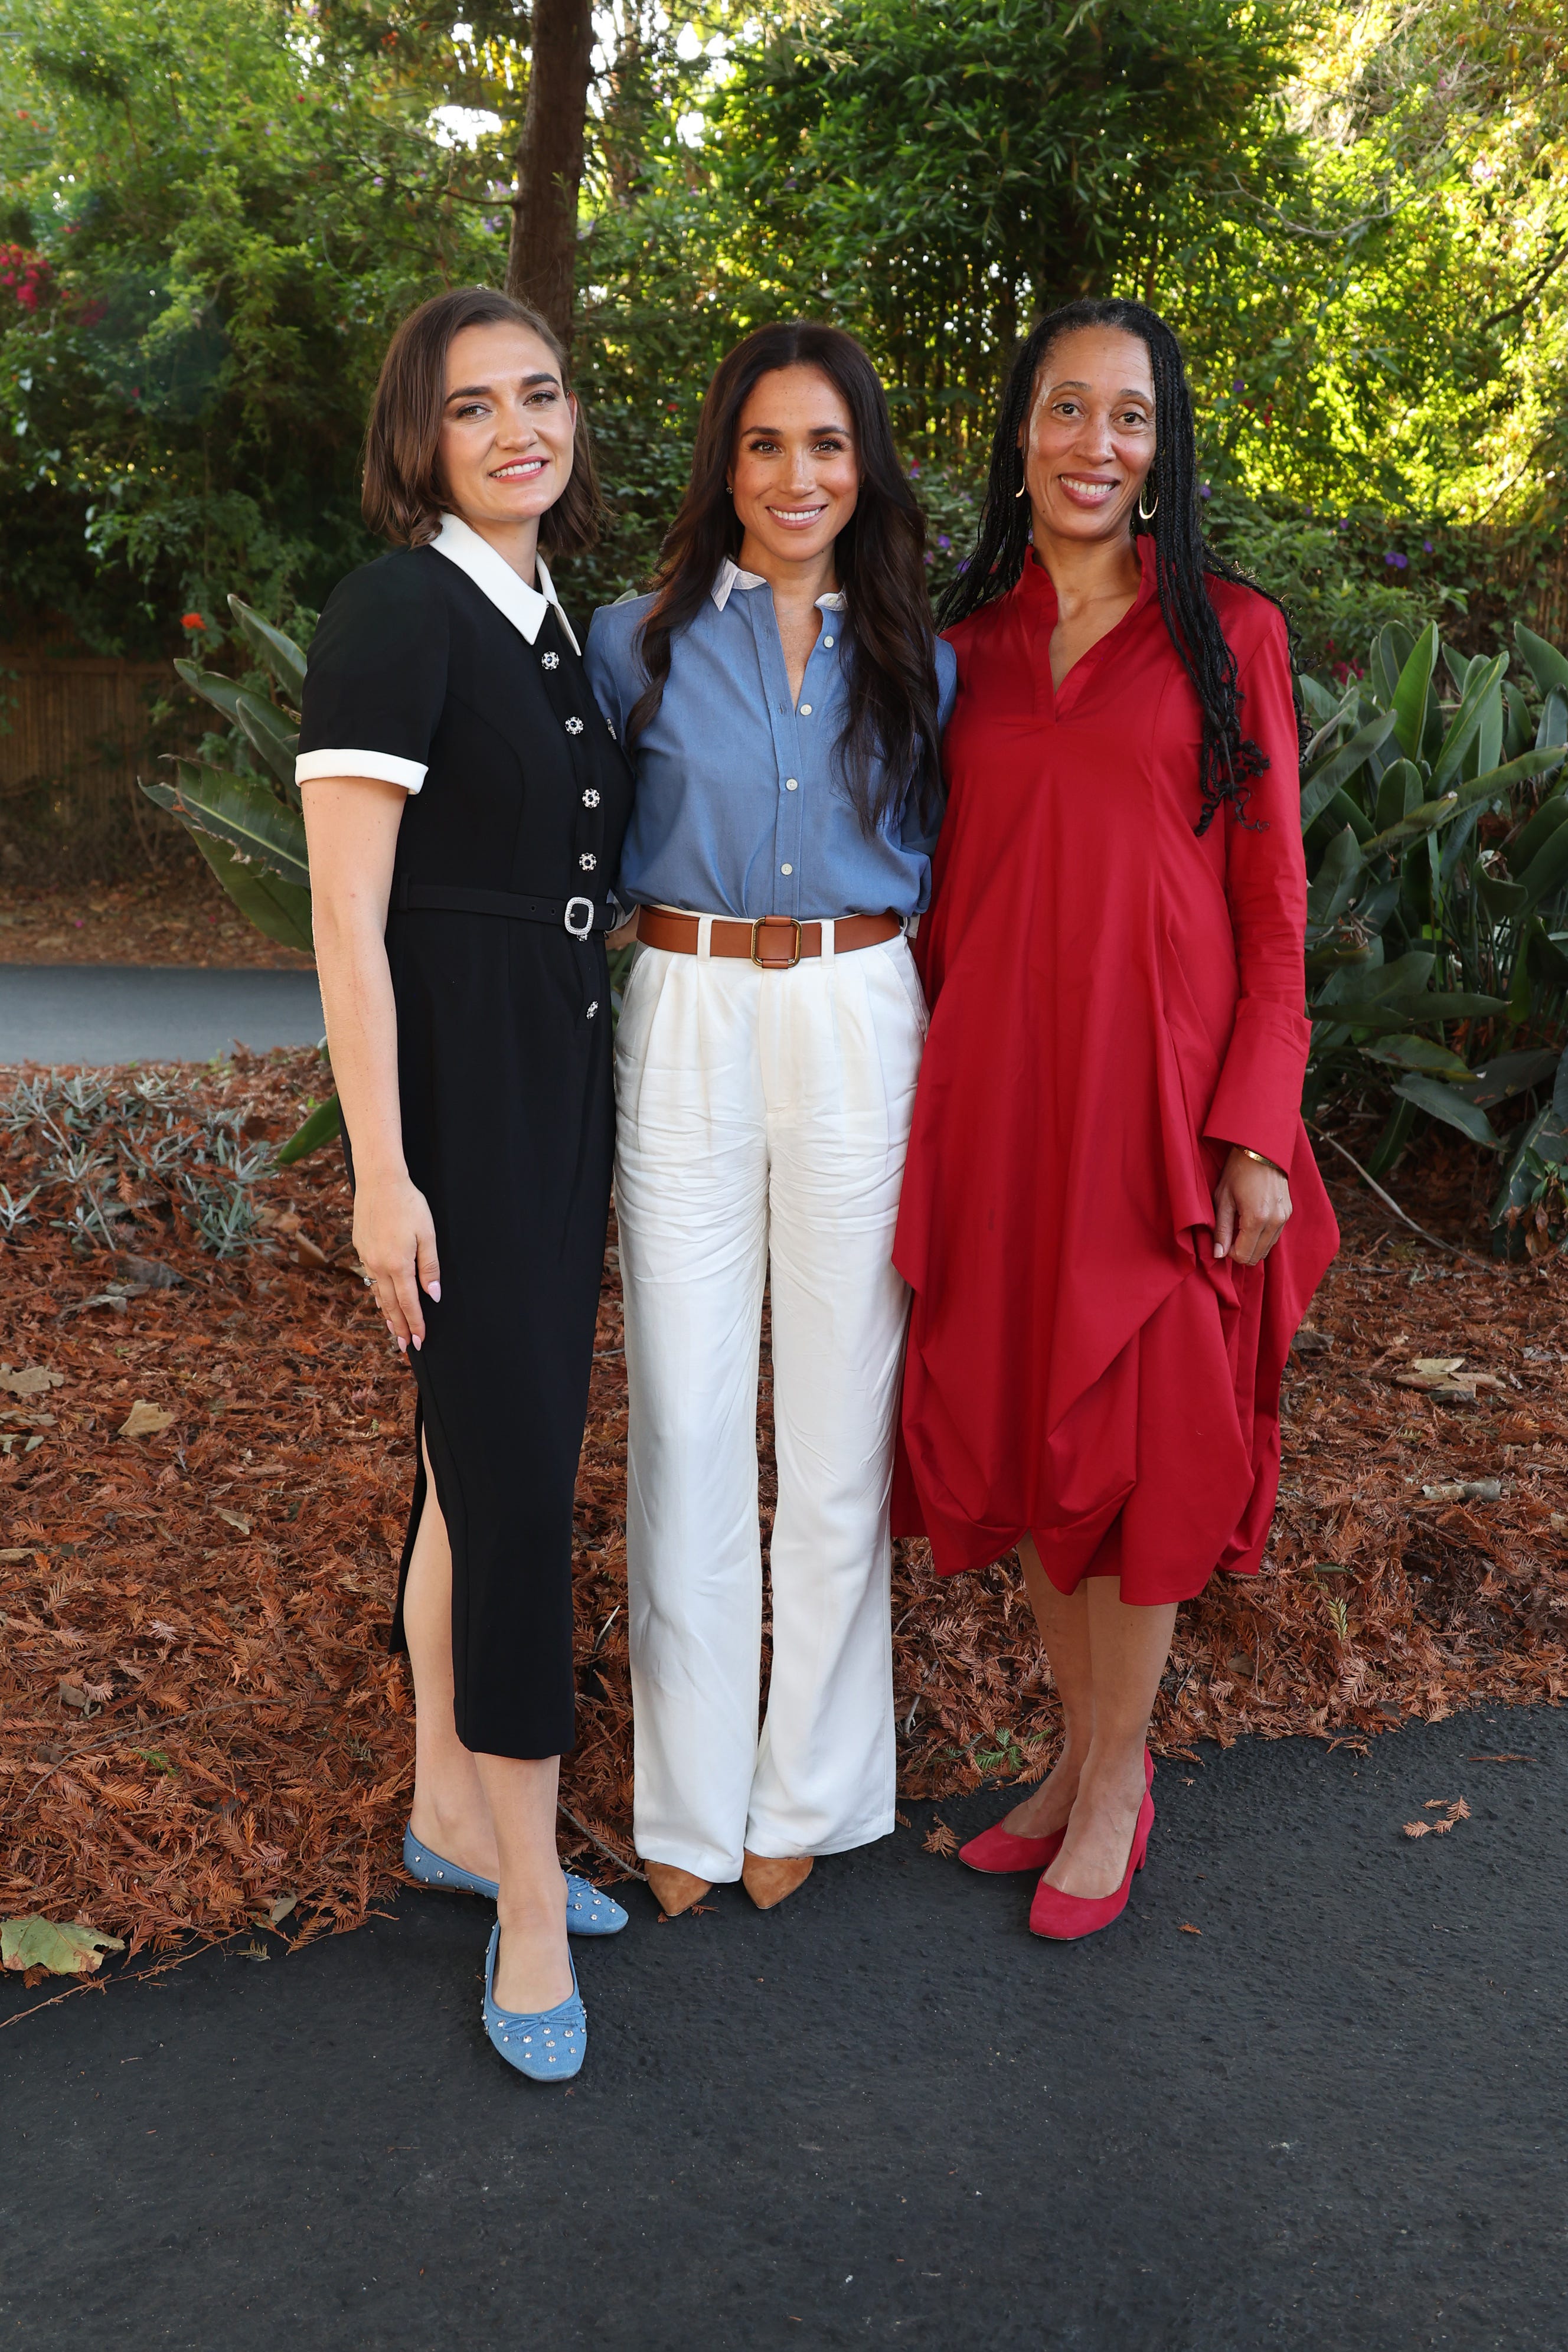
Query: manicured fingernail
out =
(418, 1343)
(433, 1290)
(403, 1346)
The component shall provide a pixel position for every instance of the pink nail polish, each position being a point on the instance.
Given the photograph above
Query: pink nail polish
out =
(433, 1290)
(402, 1347)
(418, 1343)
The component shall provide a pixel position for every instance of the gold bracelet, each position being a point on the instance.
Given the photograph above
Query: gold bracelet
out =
(1247, 1154)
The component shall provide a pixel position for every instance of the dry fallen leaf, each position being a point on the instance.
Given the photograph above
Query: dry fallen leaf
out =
(145, 1419)
(73, 1950)
(307, 1253)
(1436, 1367)
(1187, 1928)
(235, 1519)
(1418, 1829)
(36, 1380)
(940, 1839)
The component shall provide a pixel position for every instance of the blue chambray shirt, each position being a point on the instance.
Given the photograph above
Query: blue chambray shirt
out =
(739, 810)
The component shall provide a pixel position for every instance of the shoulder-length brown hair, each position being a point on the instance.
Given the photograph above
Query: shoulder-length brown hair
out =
(889, 750)
(403, 496)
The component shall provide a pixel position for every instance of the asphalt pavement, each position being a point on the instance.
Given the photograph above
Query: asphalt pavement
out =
(1307, 2093)
(97, 1013)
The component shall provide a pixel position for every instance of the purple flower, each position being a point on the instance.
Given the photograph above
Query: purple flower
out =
(1204, 491)
(1427, 545)
(942, 540)
(1235, 384)
(930, 558)
(1396, 561)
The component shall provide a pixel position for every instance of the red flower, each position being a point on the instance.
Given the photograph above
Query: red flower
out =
(191, 620)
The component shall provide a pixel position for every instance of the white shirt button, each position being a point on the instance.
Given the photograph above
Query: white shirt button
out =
(827, 641)
(792, 783)
(787, 869)
(806, 710)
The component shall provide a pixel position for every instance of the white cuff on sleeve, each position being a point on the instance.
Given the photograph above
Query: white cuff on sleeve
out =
(381, 765)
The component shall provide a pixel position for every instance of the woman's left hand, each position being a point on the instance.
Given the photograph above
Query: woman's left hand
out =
(1251, 1207)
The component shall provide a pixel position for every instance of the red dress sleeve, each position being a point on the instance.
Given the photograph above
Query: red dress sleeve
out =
(1257, 1101)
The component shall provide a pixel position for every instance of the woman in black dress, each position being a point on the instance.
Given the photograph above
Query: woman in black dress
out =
(465, 802)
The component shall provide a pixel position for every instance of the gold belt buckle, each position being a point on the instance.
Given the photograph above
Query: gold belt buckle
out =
(771, 963)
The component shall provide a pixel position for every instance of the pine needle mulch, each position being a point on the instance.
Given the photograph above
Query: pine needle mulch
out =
(200, 1731)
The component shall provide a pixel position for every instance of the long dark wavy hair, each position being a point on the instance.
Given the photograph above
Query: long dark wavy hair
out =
(1183, 564)
(887, 750)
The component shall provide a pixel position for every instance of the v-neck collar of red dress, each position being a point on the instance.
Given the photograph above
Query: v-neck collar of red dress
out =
(1038, 596)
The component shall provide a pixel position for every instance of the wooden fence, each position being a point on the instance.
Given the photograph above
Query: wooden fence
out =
(75, 733)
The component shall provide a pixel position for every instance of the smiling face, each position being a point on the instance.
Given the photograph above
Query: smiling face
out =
(795, 472)
(1090, 434)
(507, 428)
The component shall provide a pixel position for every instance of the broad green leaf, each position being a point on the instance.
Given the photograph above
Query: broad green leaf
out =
(1331, 721)
(1465, 722)
(1410, 694)
(1406, 976)
(268, 733)
(248, 817)
(65, 1949)
(1504, 1076)
(1546, 666)
(1319, 787)
(1547, 963)
(1497, 782)
(1398, 792)
(1432, 1095)
(1422, 820)
(1517, 737)
(221, 692)
(1546, 1137)
(1501, 899)
(1419, 1054)
(325, 1122)
(1548, 870)
(282, 909)
(1329, 892)
(1459, 1004)
(1553, 732)
(1321, 705)
(280, 654)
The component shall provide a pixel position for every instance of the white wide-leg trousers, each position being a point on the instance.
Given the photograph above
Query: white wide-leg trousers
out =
(763, 1120)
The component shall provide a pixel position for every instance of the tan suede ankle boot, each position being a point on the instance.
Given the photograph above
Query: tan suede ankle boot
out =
(674, 1890)
(768, 1877)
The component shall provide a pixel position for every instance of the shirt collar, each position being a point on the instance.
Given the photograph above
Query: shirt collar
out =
(732, 576)
(523, 606)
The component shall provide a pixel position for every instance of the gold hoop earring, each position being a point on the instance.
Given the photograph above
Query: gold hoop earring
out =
(1147, 514)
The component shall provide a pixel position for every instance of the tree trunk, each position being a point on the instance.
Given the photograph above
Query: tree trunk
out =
(541, 263)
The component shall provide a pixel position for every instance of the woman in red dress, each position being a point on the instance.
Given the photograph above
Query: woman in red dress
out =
(1112, 1220)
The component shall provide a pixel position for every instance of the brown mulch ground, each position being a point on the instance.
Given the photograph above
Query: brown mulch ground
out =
(198, 1720)
(183, 915)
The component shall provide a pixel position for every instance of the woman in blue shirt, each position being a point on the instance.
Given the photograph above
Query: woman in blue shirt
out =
(782, 694)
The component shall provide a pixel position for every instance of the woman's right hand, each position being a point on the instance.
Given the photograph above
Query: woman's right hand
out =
(394, 1234)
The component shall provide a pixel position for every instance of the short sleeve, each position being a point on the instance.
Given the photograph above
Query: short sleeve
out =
(375, 676)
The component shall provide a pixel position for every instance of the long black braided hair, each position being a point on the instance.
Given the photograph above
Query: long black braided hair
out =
(1184, 560)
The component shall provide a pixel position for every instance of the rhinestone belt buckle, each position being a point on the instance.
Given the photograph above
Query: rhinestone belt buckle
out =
(580, 929)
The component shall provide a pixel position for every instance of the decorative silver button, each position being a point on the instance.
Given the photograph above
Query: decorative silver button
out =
(593, 1008)
(588, 861)
(827, 641)
(574, 726)
(590, 799)
(792, 784)
(548, 661)
(787, 869)
(806, 710)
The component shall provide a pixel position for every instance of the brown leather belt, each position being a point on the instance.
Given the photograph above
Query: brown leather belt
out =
(773, 942)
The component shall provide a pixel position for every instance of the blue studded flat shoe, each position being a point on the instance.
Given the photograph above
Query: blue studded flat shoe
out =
(588, 1912)
(548, 2045)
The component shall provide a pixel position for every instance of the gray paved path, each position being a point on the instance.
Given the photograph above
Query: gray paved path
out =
(100, 1012)
(883, 2114)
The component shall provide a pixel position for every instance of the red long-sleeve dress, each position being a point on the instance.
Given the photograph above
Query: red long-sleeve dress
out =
(1115, 1001)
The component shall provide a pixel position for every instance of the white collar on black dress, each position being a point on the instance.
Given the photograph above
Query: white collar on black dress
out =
(732, 576)
(523, 606)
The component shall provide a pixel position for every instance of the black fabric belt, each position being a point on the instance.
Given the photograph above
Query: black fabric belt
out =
(580, 917)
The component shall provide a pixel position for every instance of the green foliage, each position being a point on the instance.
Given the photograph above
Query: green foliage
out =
(1434, 814)
(939, 174)
(250, 828)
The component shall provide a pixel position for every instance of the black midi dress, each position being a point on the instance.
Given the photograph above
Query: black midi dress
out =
(438, 669)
